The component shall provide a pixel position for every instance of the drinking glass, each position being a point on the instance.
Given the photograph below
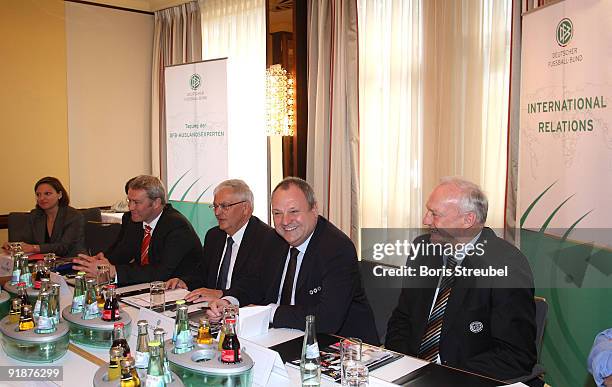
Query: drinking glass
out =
(103, 275)
(157, 301)
(49, 260)
(350, 355)
(357, 375)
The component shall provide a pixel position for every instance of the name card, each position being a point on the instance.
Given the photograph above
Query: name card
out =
(266, 362)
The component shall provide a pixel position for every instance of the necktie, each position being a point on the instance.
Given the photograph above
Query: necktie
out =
(227, 257)
(430, 343)
(289, 277)
(144, 247)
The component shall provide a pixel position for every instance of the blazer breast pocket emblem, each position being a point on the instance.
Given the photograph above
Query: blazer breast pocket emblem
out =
(314, 291)
(476, 326)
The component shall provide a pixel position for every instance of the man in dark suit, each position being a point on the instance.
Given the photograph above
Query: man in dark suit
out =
(485, 324)
(317, 274)
(158, 244)
(231, 248)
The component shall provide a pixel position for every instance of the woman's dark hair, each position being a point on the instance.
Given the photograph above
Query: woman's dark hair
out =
(57, 186)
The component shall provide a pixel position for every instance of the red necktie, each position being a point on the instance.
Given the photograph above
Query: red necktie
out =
(144, 248)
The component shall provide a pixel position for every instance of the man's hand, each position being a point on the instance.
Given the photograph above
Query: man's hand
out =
(608, 381)
(6, 246)
(203, 294)
(29, 249)
(174, 283)
(215, 311)
(90, 265)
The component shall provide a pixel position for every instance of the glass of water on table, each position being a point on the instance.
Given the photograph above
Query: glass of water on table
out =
(350, 355)
(157, 302)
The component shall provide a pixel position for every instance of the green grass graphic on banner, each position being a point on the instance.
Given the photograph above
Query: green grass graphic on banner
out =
(574, 277)
(201, 216)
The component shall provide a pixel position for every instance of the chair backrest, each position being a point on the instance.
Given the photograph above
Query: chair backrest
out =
(18, 226)
(91, 214)
(541, 315)
(382, 295)
(100, 236)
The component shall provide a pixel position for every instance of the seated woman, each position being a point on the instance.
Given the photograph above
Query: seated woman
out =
(53, 227)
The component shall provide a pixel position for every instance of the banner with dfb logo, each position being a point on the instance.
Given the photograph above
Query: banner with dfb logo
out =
(565, 177)
(196, 138)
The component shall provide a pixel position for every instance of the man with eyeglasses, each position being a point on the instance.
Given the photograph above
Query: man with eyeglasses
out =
(317, 273)
(231, 248)
(159, 243)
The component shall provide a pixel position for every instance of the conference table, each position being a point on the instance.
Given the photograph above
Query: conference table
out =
(81, 362)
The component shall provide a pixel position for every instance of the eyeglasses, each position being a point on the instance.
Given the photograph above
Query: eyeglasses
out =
(224, 207)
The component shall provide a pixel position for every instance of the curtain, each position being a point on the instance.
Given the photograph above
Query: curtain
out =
(390, 107)
(467, 57)
(177, 39)
(236, 29)
(332, 165)
(434, 79)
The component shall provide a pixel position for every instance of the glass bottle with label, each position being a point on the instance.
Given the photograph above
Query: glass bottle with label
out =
(142, 347)
(78, 299)
(90, 308)
(155, 371)
(184, 339)
(310, 363)
(54, 303)
(26, 322)
(119, 340)
(159, 335)
(114, 366)
(44, 323)
(176, 320)
(15, 311)
(41, 271)
(127, 377)
(229, 315)
(23, 294)
(111, 306)
(204, 336)
(16, 268)
(25, 275)
(230, 352)
(44, 287)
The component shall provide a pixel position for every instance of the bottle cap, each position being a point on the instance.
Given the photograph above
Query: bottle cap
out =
(180, 302)
(118, 325)
(142, 323)
(154, 343)
(81, 273)
(21, 284)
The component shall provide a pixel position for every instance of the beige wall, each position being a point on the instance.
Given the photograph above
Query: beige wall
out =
(109, 56)
(33, 130)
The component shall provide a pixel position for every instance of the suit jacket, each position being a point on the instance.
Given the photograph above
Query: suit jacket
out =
(68, 236)
(489, 323)
(174, 250)
(328, 286)
(249, 254)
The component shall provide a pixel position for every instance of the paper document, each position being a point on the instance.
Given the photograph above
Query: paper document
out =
(143, 300)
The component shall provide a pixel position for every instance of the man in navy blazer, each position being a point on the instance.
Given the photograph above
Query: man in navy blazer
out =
(317, 274)
(172, 247)
(233, 207)
(488, 322)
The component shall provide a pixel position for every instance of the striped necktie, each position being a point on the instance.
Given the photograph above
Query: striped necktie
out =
(430, 343)
(144, 247)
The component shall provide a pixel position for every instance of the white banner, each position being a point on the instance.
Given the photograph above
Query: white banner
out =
(566, 117)
(196, 137)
